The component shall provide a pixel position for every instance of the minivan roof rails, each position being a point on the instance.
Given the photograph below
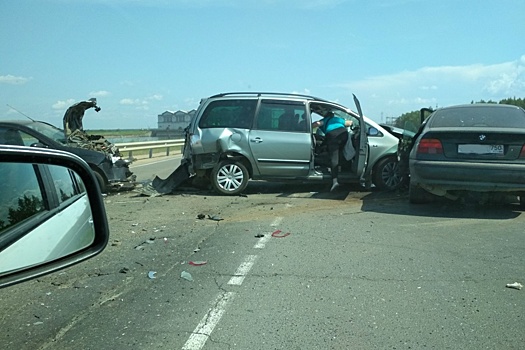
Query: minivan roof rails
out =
(259, 94)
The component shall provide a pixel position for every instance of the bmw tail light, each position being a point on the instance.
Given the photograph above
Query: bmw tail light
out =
(430, 146)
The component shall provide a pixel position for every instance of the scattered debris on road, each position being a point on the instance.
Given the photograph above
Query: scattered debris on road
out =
(515, 285)
(279, 234)
(186, 275)
(215, 218)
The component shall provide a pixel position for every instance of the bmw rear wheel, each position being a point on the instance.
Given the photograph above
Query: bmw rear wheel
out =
(229, 177)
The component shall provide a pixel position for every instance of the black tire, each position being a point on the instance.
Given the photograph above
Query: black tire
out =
(229, 177)
(101, 182)
(417, 195)
(387, 174)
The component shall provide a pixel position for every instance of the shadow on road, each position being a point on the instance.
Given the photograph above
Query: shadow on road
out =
(396, 202)
(389, 202)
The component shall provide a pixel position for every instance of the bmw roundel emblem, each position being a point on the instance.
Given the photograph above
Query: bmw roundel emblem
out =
(482, 137)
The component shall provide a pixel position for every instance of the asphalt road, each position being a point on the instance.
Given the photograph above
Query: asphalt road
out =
(147, 169)
(288, 266)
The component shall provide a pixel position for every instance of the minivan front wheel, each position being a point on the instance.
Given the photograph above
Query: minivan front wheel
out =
(387, 175)
(229, 177)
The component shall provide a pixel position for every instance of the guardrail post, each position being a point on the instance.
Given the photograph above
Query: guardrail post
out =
(167, 151)
(130, 154)
(151, 152)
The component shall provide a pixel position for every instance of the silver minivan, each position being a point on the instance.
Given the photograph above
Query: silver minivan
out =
(235, 137)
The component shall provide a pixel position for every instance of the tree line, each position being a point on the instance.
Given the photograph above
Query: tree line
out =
(411, 120)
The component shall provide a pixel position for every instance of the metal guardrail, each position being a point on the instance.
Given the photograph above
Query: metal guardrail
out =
(149, 145)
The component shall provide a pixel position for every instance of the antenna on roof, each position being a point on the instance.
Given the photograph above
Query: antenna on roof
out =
(25, 115)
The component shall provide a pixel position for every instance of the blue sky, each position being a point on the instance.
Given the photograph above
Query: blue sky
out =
(140, 58)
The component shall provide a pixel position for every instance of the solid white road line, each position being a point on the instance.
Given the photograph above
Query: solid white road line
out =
(203, 330)
(242, 270)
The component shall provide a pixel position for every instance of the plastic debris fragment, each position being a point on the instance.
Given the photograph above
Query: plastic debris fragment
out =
(124, 270)
(279, 234)
(186, 275)
(515, 285)
(259, 236)
(198, 263)
(201, 216)
(151, 275)
(215, 218)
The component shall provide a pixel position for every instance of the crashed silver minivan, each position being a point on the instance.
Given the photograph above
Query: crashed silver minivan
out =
(235, 137)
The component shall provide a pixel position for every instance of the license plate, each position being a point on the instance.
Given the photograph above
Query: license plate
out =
(480, 149)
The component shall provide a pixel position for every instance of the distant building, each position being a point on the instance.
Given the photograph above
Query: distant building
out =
(175, 121)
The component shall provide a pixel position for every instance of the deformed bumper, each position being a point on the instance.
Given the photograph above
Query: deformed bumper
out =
(468, 176)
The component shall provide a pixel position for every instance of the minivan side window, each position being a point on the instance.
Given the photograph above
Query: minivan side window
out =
(229, 114)
(281, 116)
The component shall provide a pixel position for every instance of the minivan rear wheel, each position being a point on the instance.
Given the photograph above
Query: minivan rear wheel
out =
(229, 177)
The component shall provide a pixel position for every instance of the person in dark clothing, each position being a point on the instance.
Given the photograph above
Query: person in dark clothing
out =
(336, 136)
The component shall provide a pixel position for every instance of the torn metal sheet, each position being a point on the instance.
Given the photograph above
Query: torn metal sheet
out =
(173, 181)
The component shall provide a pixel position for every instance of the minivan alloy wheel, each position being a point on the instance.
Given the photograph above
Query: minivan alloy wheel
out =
(387, 174)
(229, 177)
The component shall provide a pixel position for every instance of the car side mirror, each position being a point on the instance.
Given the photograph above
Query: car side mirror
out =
(52, 214)
(372, 131)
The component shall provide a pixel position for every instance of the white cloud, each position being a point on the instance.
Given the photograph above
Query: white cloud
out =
(12, 80)
(155, 97)
(304, 92)
(101, 93)
(63, 105)
(406, 91)
(140, 104)
(129, 102)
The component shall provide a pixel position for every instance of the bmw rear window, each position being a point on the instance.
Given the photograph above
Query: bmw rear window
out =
(486, 116)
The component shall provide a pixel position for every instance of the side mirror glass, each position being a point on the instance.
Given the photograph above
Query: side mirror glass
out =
(373, 131)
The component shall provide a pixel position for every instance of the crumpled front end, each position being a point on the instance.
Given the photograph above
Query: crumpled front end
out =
(119, 176)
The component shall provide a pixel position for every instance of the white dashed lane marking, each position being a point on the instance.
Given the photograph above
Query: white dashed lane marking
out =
(242, 270)
(203, 330)
(205, 327)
